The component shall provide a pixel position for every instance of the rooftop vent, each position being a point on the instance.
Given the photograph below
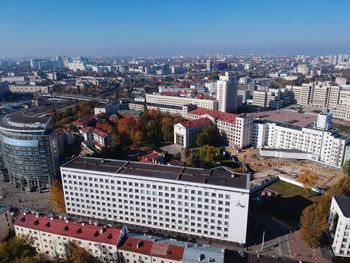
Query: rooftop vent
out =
(139, 244)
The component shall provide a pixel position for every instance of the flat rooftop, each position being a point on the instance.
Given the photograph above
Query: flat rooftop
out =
(287, 116)
(344, 204)
(25, 120)
(219, 176)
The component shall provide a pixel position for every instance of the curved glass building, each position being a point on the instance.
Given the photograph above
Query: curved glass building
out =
(28, 150)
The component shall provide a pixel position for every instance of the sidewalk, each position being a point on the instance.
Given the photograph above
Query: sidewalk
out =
(301, 252)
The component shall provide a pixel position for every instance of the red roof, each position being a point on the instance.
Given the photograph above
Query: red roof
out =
(196, 123)
(100, 133)
(151, 248)
(83, 121)
(71, 229)
(222, 116)
(150, 157)
(87, 130)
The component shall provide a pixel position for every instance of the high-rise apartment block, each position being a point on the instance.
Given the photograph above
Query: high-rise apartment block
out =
(226, 94)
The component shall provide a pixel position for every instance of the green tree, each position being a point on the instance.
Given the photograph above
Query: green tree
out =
(18, 250)
(313, 221)
(209, 136)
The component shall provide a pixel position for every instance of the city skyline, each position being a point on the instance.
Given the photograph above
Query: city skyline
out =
(159, 28)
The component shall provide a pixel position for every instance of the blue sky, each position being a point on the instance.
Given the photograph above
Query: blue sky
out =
(173, 27)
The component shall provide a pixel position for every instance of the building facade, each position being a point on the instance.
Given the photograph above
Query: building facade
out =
(29, 150)
(226, 94)
(321, 142)
(207, 203)
(339, 226)
(180, 101)
(29, 89)
(236, 130)
(5, 222)
(185, 133)
(53, 235)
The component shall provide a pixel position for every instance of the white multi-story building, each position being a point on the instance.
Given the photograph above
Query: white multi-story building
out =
(107, 109)
(318, 143)
(226, 93)
(324, 95)
(29, 89)
(78, 63)
(180, 101)
(236, 130)
(339, 225)
(185, 133)
(207, 203)
(53, 235)
(5, 222)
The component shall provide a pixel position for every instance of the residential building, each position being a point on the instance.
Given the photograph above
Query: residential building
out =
(185, 133)
(29, 151)
(324, 95)
(148, 251)
(319, 142)
(29, 89)
(84, 121)
(235, 129)
(14, 79)
(339, 226)
(226, 93)
(153, 157)
(210, 104)
(52, 235)
(190, 201)
(5, 222)
(107, 109)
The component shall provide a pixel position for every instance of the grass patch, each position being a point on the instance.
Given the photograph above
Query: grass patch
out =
(343, 128)
(290, 204)
(288, 190)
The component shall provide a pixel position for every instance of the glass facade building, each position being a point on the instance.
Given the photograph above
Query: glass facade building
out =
(28, 150)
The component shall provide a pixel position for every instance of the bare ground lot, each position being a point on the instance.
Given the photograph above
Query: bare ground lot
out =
(264, 167)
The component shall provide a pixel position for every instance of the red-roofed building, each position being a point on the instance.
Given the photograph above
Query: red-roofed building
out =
(87, 133)
(52, 234)
(235, 129)
(153, 157)
(101, 137)
(185, 133)
(94, 137)
(149, 251)
(85, 121)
